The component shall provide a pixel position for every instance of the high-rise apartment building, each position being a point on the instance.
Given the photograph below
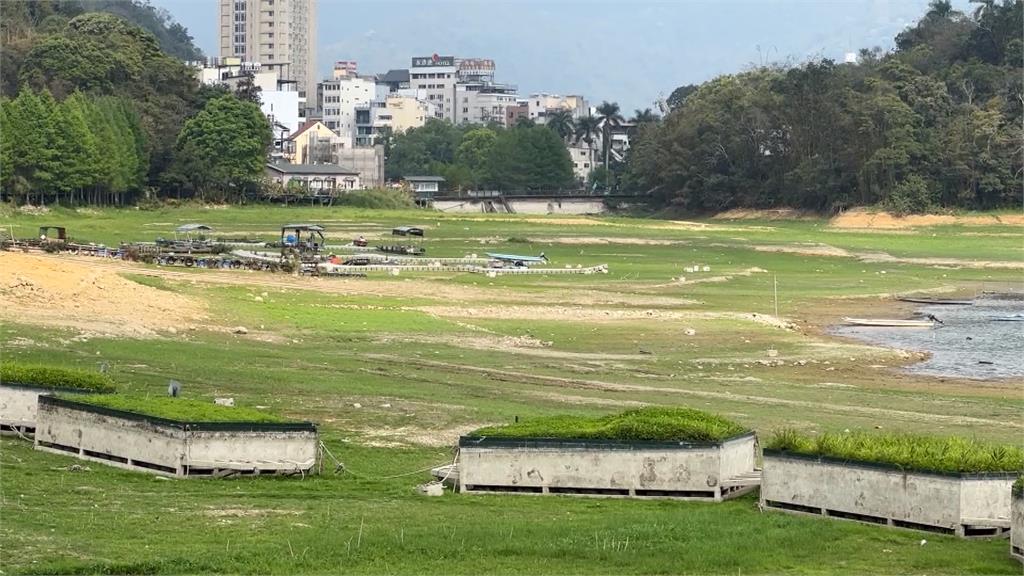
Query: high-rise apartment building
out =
(436, 76)
(276, 33)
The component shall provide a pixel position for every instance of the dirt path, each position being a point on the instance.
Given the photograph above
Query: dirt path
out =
(881, 257)
(576, 383)
(591, 314)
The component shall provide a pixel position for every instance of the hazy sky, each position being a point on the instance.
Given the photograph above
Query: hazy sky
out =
(626, 51)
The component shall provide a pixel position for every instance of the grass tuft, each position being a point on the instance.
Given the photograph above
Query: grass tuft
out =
(179, 409)
(909, 451)
(650, 424)
(54, 377)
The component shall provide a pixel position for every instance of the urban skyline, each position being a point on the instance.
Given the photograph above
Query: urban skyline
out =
(696, 40)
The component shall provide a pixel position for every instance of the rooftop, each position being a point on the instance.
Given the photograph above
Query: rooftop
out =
(394, 76)
(423, 179)
(326, 169)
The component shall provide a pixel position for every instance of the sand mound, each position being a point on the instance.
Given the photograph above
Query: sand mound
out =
(54, 292)
(751, 214)
(860, 218)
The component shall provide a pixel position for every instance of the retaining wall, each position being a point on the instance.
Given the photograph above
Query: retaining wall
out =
(550, 466)
(140, 442)
(962, 504)
(526, 206)
(1017, 527)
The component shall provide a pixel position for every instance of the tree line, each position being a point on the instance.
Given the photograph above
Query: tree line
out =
(84, 149)
(525, 157)
(935, 123)
(96, 111)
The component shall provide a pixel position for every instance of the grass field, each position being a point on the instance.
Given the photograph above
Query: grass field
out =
(393, 369)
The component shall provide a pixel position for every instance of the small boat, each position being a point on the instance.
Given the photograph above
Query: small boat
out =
(1010, 318)
(937, 301)
(890, 322)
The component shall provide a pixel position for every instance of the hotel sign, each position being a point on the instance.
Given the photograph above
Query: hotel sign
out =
(435, 60)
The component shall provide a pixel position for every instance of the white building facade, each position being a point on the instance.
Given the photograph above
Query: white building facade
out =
(338, 100)
(541, 105)
(436, 76)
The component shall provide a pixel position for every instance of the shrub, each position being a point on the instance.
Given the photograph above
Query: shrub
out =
(54, 377)
(911, 195)
(1018, 488)
(913, 452)
(380, 199)
(650, 424)
(178, 409)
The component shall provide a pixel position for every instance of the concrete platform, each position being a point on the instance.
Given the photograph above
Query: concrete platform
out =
(701, 471)
(1017, 527)
(155, 445)
(969, 505)
(19, 406)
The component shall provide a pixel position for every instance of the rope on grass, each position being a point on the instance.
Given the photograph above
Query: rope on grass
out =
(340, 467)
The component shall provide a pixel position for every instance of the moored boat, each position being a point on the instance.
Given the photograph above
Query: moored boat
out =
(890, 322)
(936, 301)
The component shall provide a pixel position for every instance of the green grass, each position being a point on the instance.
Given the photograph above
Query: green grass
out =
(393, 373)
(912, 452)
(42, 376)
(179, 409)
(107, 520)
(641, 425)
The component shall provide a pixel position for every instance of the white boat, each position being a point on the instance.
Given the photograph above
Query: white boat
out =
(890, 322)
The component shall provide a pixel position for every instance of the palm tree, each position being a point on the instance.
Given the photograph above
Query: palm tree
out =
(562, 123)
(645, 116)
(609, 116)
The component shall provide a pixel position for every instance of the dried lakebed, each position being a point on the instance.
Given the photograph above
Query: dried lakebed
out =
(969, 344)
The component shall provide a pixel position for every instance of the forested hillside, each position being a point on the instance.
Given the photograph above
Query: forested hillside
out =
(935, 123)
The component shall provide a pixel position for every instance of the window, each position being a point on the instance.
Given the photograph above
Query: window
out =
(240, 28)
(270, 13)
(465, 110)
(240, 50)
(239, 38)
(270, 46)
(239, 6)
(240, 17)
(586, 165)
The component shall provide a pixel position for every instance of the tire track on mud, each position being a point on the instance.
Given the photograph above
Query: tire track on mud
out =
(586, 384)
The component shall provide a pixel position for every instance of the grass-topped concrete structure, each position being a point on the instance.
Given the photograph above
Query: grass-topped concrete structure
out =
(951, 485)
(175, 436)
(21, 385)
(647, 452)
(1017, 520)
